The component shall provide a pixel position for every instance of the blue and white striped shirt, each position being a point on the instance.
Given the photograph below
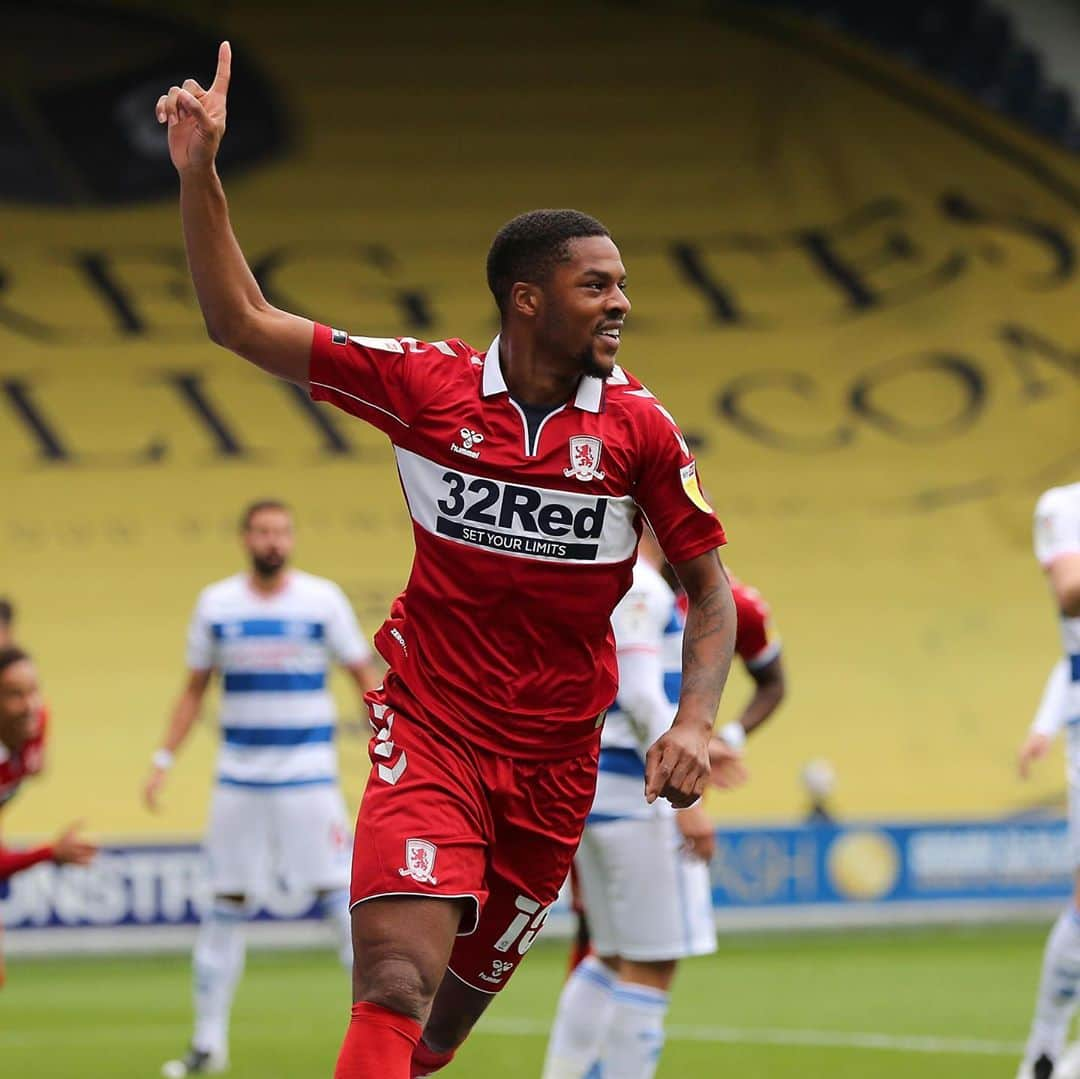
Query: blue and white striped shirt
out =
(278, 721)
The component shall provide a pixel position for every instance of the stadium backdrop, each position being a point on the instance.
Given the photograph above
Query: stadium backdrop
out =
(854, 290)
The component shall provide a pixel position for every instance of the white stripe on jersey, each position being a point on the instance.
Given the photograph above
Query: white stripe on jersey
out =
(278, 720)
(515, 519)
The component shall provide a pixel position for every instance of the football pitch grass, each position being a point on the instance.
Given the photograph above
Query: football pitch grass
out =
(923, 1003)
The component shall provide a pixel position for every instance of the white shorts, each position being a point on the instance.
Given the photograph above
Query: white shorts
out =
(644, 897)
(298, 837)
(1074, 824)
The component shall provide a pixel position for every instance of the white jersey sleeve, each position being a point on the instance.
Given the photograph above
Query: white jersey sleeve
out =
(200, 637)
(343, 636)
(1057, 523)
(1051, 714)
(639, 622)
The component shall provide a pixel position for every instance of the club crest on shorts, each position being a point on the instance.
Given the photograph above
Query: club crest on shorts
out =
(419, 861)
(585, 458)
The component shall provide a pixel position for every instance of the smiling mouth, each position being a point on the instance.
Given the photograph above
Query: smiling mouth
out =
(612, 334)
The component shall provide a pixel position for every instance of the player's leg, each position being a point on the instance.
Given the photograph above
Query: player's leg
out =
(314, 848)
(1060, 979)
(587, 1002)
(662, 912)
(419, 858)
(1057, 994)
(237, 847)
(540, 812)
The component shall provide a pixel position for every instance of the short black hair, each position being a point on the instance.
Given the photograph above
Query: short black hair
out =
(7, 611)
(11, 655)
(528, 247)
(257, 507)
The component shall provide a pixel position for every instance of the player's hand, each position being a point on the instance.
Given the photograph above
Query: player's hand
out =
(152, 788)
(196, 117)
(677, 764)
(698, 832)
(69, 849)
(1034, 747)
(727, 769)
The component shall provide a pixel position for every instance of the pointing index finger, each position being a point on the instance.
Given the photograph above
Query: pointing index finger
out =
(224, 69)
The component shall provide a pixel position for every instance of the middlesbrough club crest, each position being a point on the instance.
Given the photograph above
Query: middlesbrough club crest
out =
(584, 458)
(419, 861)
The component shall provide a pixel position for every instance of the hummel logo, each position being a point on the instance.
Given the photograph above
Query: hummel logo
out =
(468, 440)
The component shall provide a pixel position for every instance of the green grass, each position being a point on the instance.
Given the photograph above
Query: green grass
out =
(120, 1018)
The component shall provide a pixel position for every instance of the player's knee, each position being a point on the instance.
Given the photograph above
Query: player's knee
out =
(394, 982)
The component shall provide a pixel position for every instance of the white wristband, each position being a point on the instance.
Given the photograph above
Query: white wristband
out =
(733, 734)
(162, 759)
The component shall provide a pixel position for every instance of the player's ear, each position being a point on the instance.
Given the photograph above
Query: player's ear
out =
(526, 298)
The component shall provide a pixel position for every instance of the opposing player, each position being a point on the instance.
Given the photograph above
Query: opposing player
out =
(277, 811)
(642, 871)
(1057, 547)
(525, 469)
(23, 724)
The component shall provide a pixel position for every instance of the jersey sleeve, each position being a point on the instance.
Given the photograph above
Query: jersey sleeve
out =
(668, 490)
(343, 636)
(200, 638)
(1057, 526)
(382, 380)
(755, 642)
(1050, 716)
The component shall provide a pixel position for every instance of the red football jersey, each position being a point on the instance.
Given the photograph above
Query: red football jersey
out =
(523, 544)
(15, 767)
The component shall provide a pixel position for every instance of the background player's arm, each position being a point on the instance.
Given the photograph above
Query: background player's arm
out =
(769, 690)
(66, 849)
(184, 714)
(236, 313)
(1064, 576)
(1048, 721)
(677, 766)
(365, 674)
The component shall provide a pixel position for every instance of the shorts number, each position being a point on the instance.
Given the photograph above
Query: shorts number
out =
(525, 927)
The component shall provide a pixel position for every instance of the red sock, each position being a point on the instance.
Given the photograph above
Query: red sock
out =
(378, 1044)
(426, 1061)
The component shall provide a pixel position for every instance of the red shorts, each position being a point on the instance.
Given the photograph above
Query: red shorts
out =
(444, 818)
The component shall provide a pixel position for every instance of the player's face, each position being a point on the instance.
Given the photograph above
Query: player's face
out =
(20, 702)
(268, 539)
(586, 304)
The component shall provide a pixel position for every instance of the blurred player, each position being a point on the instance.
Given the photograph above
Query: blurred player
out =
(23, 724)
(1057, 547)
(523, 469)
(277, 810)
(642, 871)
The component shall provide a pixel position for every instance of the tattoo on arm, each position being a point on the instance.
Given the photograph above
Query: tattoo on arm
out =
(708, 645)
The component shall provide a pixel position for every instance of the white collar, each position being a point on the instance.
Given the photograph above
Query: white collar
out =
(590, 391)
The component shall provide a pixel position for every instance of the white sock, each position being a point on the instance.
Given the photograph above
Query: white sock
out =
(218, 964)
(636, 1034)
(334, 907)
(581, 1021)
(1058, 988)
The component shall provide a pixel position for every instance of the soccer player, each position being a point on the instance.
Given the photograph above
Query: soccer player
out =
(526, 469)
(23, 724)
(277, 811)
(643, 871)
(1057, 547)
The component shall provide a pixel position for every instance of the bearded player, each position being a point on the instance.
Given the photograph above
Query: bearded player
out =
(526, 468)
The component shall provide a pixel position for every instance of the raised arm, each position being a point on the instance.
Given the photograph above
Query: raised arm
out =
(236, 313)
(677, 766)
